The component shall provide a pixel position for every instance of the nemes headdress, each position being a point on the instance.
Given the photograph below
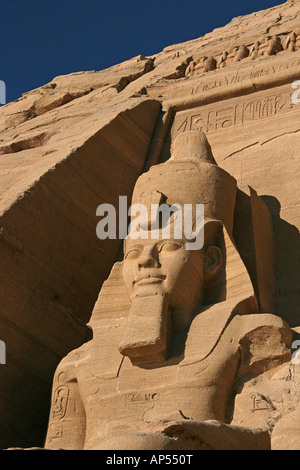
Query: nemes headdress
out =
(190, 176)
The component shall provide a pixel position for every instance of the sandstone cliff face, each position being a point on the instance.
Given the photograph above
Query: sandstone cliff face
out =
(83, 139)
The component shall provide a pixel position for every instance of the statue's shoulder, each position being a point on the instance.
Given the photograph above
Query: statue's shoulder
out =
(264, 340)
(266, 379)
(220, 327)
(257, 320)
(66, 369)
(262, 324)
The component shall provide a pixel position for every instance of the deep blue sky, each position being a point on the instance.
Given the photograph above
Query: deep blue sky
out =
(40, 39)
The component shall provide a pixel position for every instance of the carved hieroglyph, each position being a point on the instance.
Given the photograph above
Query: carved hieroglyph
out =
(177, 333)
(82, 140)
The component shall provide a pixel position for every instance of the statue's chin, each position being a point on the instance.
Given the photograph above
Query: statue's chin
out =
(150, 441)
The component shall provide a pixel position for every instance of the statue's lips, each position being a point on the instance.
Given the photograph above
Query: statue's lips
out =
(149, 279)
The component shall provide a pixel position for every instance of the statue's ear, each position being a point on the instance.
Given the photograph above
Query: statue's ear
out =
(213, 260)
(214, 254)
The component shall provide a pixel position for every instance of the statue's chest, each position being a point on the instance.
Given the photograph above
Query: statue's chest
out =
(150, 394)
(188, 385)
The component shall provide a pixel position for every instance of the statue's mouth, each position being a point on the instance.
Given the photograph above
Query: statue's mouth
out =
(149, 279)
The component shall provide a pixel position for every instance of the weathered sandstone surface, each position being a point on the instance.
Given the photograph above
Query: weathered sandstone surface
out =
(84, 139)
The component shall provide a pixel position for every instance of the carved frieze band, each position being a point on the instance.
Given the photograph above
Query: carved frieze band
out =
(264, 47)
(235, 112)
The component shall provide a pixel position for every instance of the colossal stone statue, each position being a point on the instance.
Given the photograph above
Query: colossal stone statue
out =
(174, 331)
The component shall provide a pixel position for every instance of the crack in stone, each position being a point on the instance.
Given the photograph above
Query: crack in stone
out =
(241, 150)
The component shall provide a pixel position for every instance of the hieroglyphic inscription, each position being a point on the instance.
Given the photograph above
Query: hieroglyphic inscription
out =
(243, 74)
(234, 112)
(141, 398)
(55, 432)
(60, 402)
(259, 403)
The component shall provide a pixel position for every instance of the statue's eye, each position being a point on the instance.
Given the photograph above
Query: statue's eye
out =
(133, 253)
(169, 246)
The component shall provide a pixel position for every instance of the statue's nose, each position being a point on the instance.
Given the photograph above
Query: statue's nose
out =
(149, 258)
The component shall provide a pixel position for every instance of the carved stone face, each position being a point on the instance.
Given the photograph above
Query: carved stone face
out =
(164, 267)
